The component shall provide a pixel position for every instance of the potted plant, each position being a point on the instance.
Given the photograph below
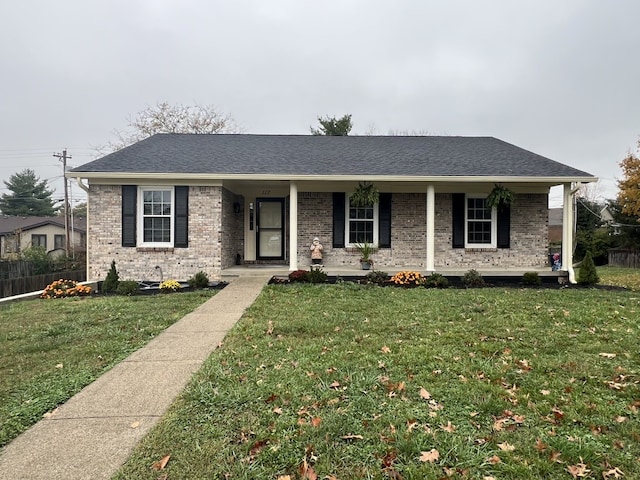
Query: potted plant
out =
(500, 197)
(365, 249)
(366, 194)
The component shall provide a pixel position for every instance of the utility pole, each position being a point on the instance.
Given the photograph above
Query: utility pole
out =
(63, 157)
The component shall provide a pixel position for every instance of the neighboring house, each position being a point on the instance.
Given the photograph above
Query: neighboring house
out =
(555, 226)
(186, 202)
(606, 216)
(19, 233)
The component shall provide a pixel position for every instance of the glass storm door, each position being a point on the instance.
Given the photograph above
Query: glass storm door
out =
(270, 228)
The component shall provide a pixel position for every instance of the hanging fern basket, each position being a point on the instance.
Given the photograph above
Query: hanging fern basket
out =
(365, 194)
(500, 197)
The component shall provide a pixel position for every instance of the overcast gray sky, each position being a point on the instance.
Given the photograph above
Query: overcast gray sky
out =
(559, 78)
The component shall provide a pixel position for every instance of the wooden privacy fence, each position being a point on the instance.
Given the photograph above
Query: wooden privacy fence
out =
(15, 269)
(17, 286)
(621, 257)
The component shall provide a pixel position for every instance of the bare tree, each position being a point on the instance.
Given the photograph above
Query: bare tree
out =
(167, 118)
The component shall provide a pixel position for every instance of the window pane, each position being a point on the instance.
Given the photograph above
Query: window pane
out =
(360, 231)
(479, 232)
(58, 241)
(157, 229)
(361, 212)
(477, 210)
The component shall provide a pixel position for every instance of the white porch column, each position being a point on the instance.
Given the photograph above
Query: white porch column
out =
(293, 226)
(431, 227)
(567, 232)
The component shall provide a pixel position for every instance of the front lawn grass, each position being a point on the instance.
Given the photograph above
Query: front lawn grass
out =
(51, 349)
(346, 381)
(620, 277)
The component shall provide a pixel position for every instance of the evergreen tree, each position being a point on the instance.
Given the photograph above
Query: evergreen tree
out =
(587, 274)
(112, 279)
(30, 196)
(334, 127)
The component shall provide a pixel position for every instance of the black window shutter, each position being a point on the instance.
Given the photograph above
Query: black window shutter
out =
(338, 219)
(129, 205)
(181, 232)
(457, 228)
(504, 227)
(384, 220)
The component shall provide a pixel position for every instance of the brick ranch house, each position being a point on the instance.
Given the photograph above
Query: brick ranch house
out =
(187, 202)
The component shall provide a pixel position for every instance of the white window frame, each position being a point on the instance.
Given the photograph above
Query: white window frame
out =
(141, 216)
(347, 224)
(494, 225)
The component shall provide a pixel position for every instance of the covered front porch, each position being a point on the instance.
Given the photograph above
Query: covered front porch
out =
(421, 220)
(347, 272)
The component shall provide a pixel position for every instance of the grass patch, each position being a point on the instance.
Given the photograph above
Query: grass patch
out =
(348, 381)
(620, 277)
(51, 349)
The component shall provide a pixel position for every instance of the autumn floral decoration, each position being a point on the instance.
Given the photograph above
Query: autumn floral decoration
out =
(65, 288)
(170, 286)
(408, 279)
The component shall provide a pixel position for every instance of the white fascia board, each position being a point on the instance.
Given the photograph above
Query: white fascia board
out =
(211, 178)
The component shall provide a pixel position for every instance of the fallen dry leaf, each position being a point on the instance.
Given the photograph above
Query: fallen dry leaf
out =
(424, 394)
(306, 471)
(498, 425)
(411, 424)
(316, 421)
(507, 447)
(51, 413)
(385, 349)
(277, 411)
(555, 457)
(448, 427)
(614, 472)
(430, 456)
(578, 470)
(545, 392)
(256, 448)
(540, 445)
(161, 464)
(607, 355)
(352, 437)
(493, 460)
(135, 425)
(335, 385)
(557, 413)
(284, 477)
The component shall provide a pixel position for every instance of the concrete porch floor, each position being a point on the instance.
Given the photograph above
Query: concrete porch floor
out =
(354, 271)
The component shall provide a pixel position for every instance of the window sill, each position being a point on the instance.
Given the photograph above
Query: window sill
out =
(154, 249)
(355, 249)
(480, 249)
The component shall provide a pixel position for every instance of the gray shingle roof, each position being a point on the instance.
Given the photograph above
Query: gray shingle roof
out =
(325, 155)
(9, 224)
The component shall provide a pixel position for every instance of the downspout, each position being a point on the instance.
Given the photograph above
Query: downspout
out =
(86, 233)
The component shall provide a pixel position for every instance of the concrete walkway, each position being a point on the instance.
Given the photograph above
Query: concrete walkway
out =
(93, 434)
